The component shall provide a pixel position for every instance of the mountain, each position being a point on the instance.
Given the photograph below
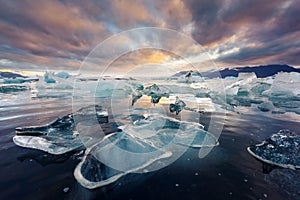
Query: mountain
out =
(260, 71)
(11, 75)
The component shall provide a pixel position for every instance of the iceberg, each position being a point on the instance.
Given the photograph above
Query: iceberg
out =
(149, 141)
(177, 106)
(281, 149)
(190, 77)
(12, 88)
(91, 173)
(265, 106)
(17, 80)
(51, 80)
(55, 85)
(278, 94)
(59, 136)
(51, 77)
(155, 93)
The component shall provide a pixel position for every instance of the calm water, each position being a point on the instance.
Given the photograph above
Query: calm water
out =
(227, 172)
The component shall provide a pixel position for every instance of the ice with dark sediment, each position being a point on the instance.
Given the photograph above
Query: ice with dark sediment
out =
(177, 106)
(59, 136)
(155, 93)
(136, 147)
(281, 149)
(190, 77)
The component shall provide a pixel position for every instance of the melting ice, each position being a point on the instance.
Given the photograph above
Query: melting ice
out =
(59, 136)
(148, 139)
(281, 149)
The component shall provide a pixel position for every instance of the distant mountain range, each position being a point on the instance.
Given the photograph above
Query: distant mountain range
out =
(11, 75)
(260, 71)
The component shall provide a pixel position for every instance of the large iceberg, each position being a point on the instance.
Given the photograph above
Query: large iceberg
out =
(277, 94)
(138, 147)
(281, 149)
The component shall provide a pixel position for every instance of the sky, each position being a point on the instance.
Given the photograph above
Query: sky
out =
(59, 34)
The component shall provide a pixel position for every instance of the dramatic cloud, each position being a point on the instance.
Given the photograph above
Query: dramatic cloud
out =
(59, 34)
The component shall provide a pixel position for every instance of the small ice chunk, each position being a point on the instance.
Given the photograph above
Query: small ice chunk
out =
(66, 189)
(155, 93)
(265, 106)
(177, 106)
(136, 95)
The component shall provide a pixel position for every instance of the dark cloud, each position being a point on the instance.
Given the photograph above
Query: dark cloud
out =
(262, 30)
(63, 32)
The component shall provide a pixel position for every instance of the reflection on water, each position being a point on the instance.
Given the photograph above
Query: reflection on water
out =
(227, 172)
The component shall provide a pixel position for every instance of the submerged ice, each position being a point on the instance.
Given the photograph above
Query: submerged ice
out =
(281, 149)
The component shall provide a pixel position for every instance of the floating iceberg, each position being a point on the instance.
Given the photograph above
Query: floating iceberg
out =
(265, 106)
(137, 147)
(281, 149)
(155, 93)
(17, 80)
(177, 106)
(131, 148)
(91, 173)
(59, 136)
(60, 80)
(278, 94)
(190, 77)
(51, 77)
(13, 88)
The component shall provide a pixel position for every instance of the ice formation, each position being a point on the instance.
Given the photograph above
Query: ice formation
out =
(155, 93)
(17, 80)
(190, 77)
(91, 173)
(53, 84)
(277, 94)
(150, 138)
(132, 147)
(12, 88)
(51, 80)
(177, 106)
(281, 149)
(138, 146)
(59, 136)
